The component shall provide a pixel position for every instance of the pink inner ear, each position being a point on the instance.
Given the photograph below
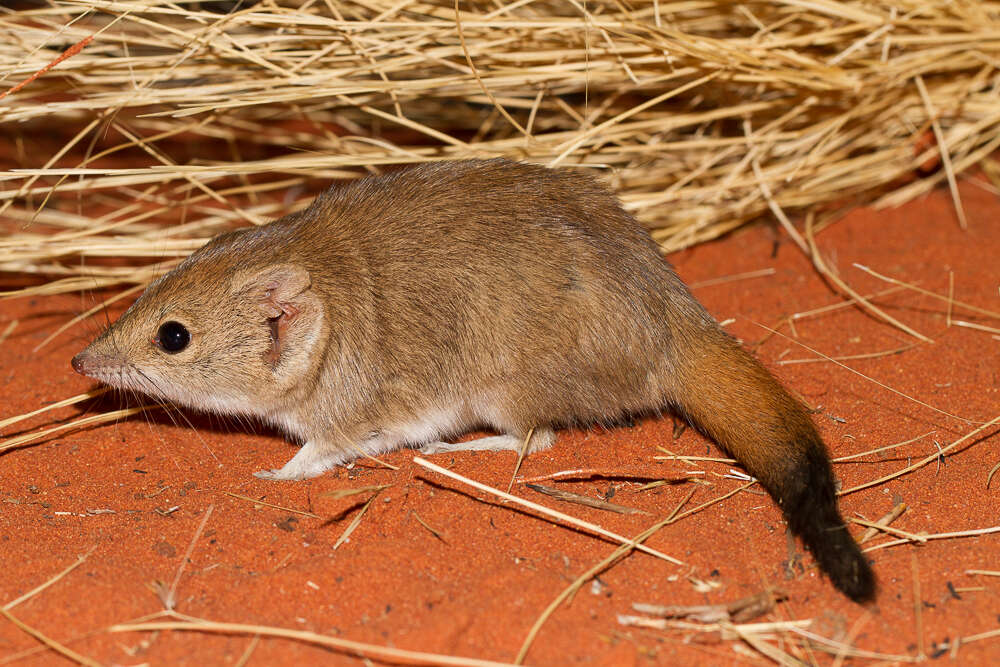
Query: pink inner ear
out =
(278, 326)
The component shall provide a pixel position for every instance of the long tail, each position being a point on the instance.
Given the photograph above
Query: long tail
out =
(728, 395)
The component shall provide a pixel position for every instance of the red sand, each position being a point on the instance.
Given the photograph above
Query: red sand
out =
(136, 492)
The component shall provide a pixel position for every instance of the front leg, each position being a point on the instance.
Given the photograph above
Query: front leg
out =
(311, 461)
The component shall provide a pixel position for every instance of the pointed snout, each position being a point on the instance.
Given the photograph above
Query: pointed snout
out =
(88, 362)
(79, 363)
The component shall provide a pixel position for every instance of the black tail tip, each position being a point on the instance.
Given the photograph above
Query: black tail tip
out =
(856, 580)
(840, 557)
(810, 505)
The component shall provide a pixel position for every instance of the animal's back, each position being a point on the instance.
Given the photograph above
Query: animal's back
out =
(494, 276)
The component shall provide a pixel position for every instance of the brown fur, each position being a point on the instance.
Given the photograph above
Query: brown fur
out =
(449, 296)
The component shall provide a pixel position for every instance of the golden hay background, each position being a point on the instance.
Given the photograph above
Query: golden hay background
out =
(165, 122)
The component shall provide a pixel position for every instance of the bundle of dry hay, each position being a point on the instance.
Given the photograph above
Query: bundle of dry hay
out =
(703, 115)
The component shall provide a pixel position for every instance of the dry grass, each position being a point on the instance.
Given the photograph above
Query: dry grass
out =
(703, 115)
(142, 128)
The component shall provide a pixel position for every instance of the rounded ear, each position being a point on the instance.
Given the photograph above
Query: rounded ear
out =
(282, 293)
(276, 287)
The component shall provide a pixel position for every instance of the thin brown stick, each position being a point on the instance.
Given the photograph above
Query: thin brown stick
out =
(880, 526)
(587, 501)
(746, 275)
(879, 450)
(51, 643)
(104, 418)
(977, 327)
(825, 271)
(257, 501)
(522, 452)
(926, 292)
(888, 518)
(41, 587)
(436, 533)
(479, 79)
(975, 532)
(920, 464)
(870, 379)
(345, 645)
(354, 522)
(93, 393)
(949, 169)
(8, 330)
(850, 357)
(618, 553)
(565, 518)
(844, 303)
(170, 599)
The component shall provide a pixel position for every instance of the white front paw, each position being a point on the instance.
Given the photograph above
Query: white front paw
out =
(310, 461)
(275, 474)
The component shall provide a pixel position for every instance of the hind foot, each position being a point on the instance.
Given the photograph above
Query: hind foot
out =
(541, 438)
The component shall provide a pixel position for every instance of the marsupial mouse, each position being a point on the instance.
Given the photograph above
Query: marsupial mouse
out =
(403, 310)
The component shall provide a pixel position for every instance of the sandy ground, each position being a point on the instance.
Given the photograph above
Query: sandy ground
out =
(170, 502)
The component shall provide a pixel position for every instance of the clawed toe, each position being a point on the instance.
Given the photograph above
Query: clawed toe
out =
(272, 474)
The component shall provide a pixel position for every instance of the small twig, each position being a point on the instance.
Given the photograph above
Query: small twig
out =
(926, 292)
(337, 494)
(256, 501)
(520, 458)
(8, 330)
(38, 589)
(245, 658)
(951, 297)
(346, 645)
(738, 611)
(94, 393)
(993, 471)
(920, 464)
(51, 643)
(870, 379)
(610, 473)
(888, 529)
(893, 514)
(434, 532)
(824, 270)
(566, 518)
(949, 169)
(840, 305)
(977, 327)
(879, 450)
(570, 590)
(578, 499)
(475, 72)
(170, 599)
(975, 532)
(765, 191)
(850, 357)
(734, 277)
(104, 418)
(355, 522)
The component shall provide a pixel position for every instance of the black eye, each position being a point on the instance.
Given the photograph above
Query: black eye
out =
(173, 337)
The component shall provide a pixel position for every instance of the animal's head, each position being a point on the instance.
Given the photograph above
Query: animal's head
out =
(213, 337)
